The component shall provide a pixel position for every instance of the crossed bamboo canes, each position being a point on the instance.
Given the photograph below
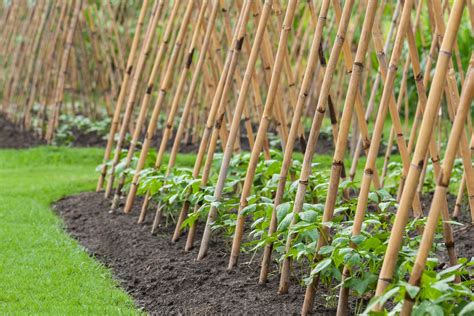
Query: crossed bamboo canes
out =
(214, 119)
(426, 130)
(145, 51)
(304, 91)
(59, 95)
(234, 127)
(342, 143)
(122, 95)
(265, 121)
(164, 87)
(174, 106)
(439, 199)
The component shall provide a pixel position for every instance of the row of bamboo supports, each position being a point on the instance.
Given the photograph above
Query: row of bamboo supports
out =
(314, 87)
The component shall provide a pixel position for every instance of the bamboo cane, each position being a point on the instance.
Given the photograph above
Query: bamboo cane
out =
(279, 61)
(304, 90)
(164, 87)
(235, 122)
(420, 150)
(145, 51)
(190, 97)
(342, 142)
(146, 99)
(228, 70)
(121, 98)
(59, 96)
(439, 198)
(363, 194)
(221, 97)
(339, 45)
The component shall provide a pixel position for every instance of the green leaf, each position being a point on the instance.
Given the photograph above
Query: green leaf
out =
(321, 265)
(412, 290)
(358, 239)
(308, 216)
(325, 250)
(285, 223)
(467, 310)
(282, 210)
(249, 209)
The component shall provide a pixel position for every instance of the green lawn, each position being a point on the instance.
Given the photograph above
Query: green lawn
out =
(42, 269)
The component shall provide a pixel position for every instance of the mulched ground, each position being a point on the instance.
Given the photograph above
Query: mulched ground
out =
(165, 279)
(12, 137)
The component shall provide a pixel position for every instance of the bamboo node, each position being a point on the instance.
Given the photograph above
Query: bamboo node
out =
(386, 280)
(337, 163)
(359, 64)
(149, 89)
(304, 182)
(369, 171)
(321, 110)
(240, 42)
(449, 245)
(445, 52)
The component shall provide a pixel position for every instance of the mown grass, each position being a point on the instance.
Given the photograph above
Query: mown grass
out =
(42, 269)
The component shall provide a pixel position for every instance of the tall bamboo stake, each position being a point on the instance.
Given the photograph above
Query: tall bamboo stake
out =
(265, 121)
(439, 198)
(304, 90)
(121, 98)
(235, 125)
(142, 116)
(134, 86)
(342, 143)
(59, 95)
(164, 87)
(215, 117)
(339, 45)
(416, 166)
(190, 97)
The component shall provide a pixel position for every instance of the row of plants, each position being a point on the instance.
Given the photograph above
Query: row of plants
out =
(362, 254)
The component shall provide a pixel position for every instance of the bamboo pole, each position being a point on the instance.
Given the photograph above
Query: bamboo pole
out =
(122, 94)
(265, 121)
(164, 87)
(221, 97)
(405, 27)
(339, 45)
(439, 198)
(228, 153)
(134, 86)
(59, 95)
(190, 96)
(215, 117)
(304, 91)
(341, 144)
(147, 98)
(416, 166)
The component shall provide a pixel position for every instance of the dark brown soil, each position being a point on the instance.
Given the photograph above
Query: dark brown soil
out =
(165, 279)
(12, 137)
(463, 235)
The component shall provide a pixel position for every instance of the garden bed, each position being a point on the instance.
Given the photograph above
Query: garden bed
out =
(165, 279)
(12, 137)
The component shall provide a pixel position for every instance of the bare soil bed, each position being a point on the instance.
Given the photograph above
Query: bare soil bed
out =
(165, 279)
(12, 137)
